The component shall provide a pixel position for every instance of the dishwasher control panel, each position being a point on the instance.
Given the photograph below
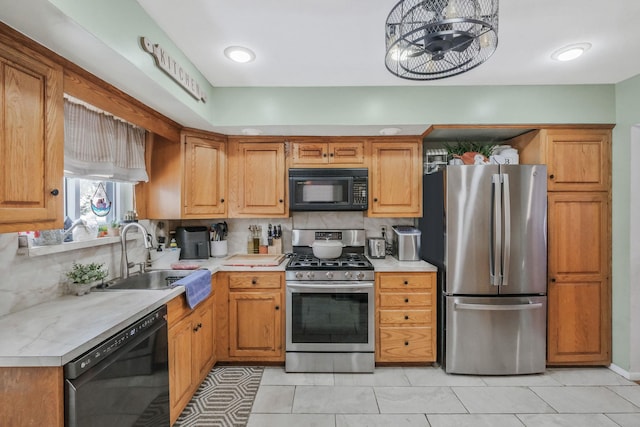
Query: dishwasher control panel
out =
(94, 356)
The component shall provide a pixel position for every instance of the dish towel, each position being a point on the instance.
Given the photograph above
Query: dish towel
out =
(197, 286)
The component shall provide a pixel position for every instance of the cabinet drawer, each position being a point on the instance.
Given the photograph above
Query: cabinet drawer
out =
(405, 316)
(404, 299)
(406, 343)
(407, 281)
(255, 281)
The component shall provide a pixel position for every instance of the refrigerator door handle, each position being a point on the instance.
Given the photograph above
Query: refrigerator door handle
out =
(506, 248)
(492, 307)
(496, 237)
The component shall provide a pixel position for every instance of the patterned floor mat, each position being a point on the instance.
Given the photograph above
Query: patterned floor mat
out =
(224, 398)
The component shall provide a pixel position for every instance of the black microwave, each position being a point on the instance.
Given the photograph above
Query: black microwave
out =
(328, 189)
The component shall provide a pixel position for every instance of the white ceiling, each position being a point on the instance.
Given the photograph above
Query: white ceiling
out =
(341, 43)
(315, 43)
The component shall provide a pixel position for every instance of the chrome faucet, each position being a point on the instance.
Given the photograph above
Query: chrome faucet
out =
(125, 265)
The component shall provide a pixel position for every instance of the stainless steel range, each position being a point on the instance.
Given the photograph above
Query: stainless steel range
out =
(330, 305)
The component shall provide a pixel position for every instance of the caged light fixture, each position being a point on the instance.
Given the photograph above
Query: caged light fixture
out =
(434, 39)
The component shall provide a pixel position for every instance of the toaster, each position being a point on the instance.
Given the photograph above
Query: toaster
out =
(193, 242)
(405, 243)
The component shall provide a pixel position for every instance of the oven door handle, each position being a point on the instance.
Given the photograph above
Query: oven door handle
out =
(367, 285)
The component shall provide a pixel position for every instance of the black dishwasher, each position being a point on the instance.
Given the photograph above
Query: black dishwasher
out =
(124, 381)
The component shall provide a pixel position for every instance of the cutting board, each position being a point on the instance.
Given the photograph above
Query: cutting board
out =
(254, 260)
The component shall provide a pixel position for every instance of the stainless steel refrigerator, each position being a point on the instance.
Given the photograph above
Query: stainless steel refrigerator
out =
(485, 228)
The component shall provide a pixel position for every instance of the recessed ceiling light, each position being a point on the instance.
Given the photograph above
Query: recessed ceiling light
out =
(389, 131)
(570, 52)
(251, 131)
(239, 54)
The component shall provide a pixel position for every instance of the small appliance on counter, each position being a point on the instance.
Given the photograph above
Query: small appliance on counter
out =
(377, 247)
(193, 242)
(405, 245)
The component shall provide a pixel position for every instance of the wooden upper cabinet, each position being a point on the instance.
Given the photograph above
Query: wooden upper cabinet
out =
(395, 178)
(32, 142)
(578, 160)
(330, 151)
(257, 178)
(205, 176)
(187, 179)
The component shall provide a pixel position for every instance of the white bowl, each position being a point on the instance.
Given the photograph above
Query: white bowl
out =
(327, 249)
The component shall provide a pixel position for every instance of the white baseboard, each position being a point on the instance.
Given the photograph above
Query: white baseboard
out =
(632, 376)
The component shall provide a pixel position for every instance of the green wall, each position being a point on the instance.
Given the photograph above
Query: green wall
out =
(119, 24)
(414, 105)
(627, 115)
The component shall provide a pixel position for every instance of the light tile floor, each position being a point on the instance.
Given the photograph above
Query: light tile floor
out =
(428, 397)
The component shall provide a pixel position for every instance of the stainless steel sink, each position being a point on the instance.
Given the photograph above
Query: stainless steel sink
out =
(156, 279)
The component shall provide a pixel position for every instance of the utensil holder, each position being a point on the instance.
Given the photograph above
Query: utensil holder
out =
(219, 248)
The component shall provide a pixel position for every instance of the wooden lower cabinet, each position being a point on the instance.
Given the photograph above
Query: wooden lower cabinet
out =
(191, 349)
(405, 317)
(32, 396)
(251, 317)
(579, 305)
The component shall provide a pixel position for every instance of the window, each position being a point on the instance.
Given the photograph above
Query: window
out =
(80, 192)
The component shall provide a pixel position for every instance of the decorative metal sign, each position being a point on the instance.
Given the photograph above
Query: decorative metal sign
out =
(166, 63)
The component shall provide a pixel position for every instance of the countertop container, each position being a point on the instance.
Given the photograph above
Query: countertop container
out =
(406, 243)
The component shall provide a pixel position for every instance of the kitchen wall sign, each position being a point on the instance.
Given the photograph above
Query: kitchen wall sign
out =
(169, 65)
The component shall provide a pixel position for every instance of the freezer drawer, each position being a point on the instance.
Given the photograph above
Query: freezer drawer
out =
(495, 335)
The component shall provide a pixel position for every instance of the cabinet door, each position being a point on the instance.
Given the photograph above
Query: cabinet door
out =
(31, 144)
(181, 372)
(255, 324)
(406, 344)
(204, 349)
(342, 153)
(396, 179)
(579, 288)
(258, 180)
(578, 159)
(309, 153)
(205, 177)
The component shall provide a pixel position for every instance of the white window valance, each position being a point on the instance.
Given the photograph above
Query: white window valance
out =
(100, 146)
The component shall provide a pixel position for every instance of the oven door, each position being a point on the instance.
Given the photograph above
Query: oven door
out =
(330, 317)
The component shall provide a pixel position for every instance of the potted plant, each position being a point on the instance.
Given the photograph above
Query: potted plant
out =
(470, 149)
(82, 277)
(114, 229)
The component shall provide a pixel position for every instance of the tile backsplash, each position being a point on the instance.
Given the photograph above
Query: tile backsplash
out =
(27, 281)
(30, 280)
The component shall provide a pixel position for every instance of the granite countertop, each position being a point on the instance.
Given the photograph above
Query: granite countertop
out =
(390, 264)
(58, 331)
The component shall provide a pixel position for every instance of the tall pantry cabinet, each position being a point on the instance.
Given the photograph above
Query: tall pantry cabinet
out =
(579, 240)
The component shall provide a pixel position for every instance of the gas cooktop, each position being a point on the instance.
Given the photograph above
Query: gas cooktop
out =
(348, 261)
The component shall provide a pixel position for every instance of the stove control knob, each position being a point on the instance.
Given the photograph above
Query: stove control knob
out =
(347, 274)
(360, 275)
(310, 275)
(329, 275)
(299, 275)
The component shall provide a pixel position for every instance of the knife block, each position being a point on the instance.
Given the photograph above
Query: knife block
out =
(275, 248)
